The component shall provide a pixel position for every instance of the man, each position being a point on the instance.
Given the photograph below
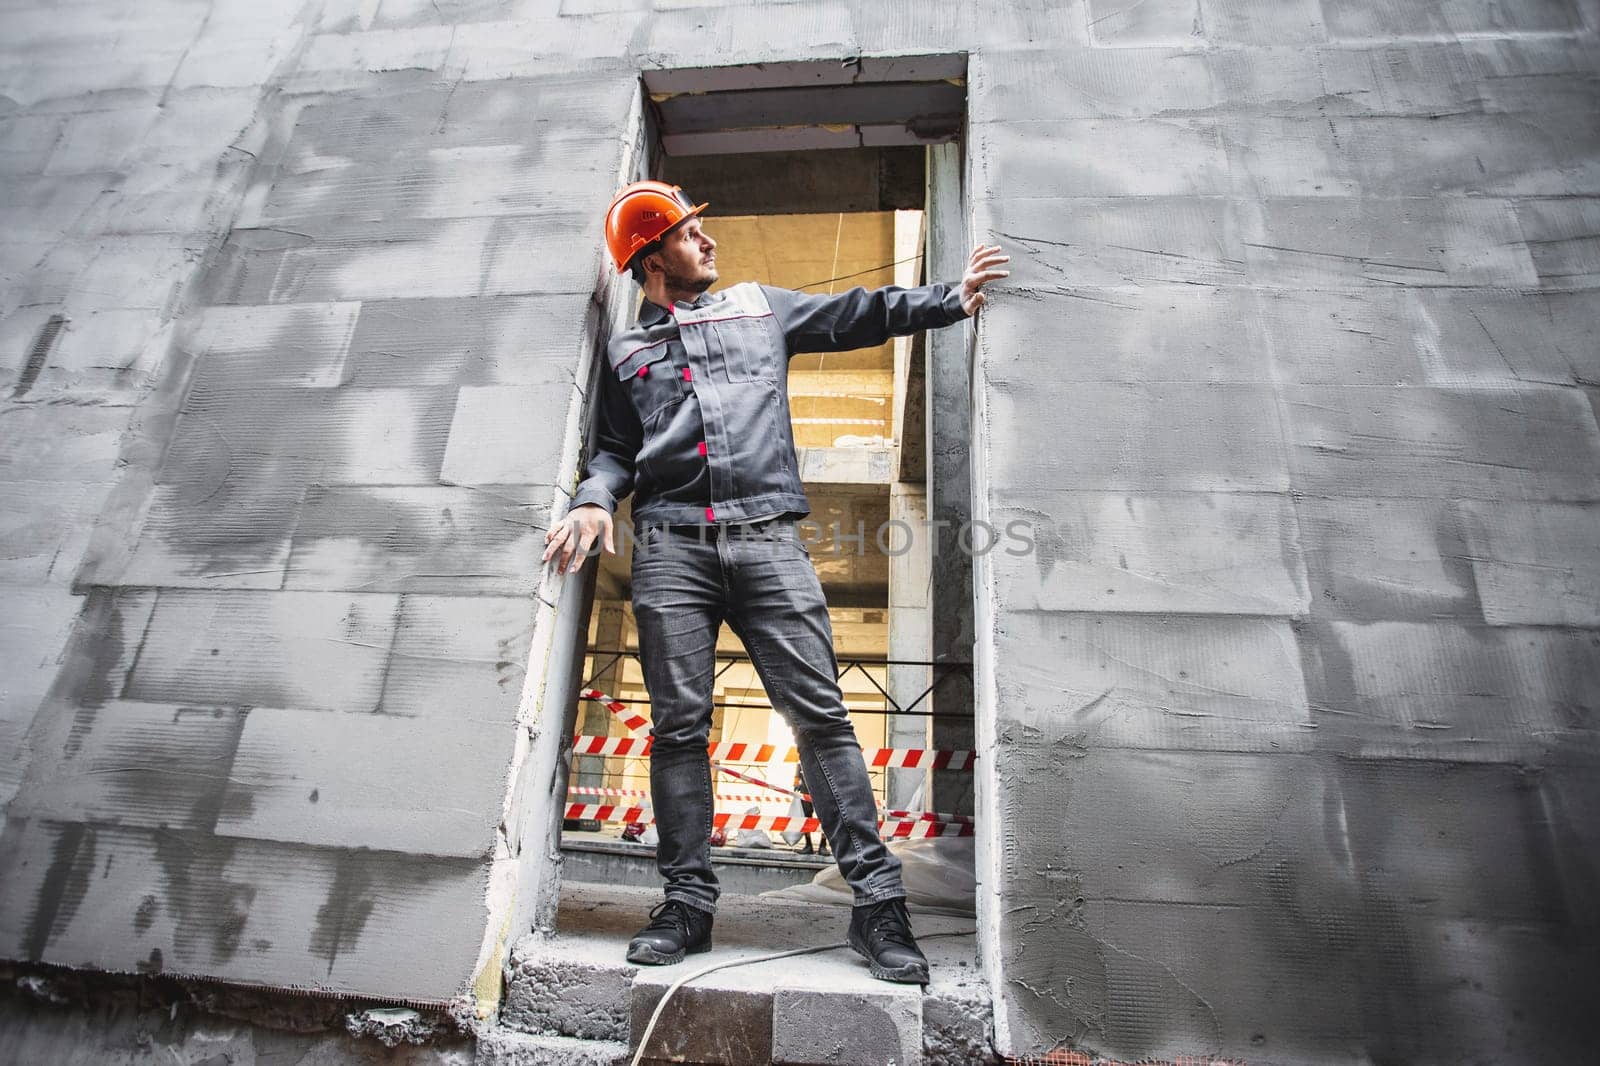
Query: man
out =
(694, 420)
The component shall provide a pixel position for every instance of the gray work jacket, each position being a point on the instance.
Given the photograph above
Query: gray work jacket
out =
(694, 414)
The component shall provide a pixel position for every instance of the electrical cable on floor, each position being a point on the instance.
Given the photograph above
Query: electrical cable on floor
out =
(655, 1015)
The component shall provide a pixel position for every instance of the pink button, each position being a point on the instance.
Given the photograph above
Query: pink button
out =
(686, 373)
(642, 371)
(702, 447)
(710, 516)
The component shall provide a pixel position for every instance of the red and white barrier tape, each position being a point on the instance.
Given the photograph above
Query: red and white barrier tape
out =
(918, 758)
(582, 745)
(754, 797)
(927, 816)
(627, 793)
(737, 751)
(634, 721)
(607, 812)
(897, 758)
(922, 816)
(899, 830)
(758, 781)
(917, 830)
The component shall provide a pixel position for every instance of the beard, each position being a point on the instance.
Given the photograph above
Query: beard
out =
(690, 282)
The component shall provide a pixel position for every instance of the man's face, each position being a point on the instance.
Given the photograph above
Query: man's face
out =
(688, 258)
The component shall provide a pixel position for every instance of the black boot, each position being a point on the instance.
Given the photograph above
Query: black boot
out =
(881, 932)
(676, 929)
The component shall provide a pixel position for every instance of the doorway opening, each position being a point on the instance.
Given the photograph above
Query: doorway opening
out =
(818, 187)
(817, 174)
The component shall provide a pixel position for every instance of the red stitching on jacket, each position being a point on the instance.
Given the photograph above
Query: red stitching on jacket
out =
(637, 350)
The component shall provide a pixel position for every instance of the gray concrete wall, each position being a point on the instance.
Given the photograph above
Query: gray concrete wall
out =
(1295, 753)
(296, 330)
(1286, 725)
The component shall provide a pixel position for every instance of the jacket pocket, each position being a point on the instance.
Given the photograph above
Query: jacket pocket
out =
(750, 346)
(647, 377)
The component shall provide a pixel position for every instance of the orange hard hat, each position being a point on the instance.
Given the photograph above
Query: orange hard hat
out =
(641, 213)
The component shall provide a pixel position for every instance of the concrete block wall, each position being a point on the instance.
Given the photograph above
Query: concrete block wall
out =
(1286, 723)
(284, 435)
(1296, 696)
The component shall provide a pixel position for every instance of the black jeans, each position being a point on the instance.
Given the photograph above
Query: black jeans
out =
(759, 578)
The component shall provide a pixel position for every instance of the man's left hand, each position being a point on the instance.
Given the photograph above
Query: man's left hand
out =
(980, 270)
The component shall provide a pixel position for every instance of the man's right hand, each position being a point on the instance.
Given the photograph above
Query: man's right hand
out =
(575, 534)
(982, 267)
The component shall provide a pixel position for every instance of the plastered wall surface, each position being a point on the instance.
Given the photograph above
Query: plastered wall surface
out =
(1289, 745)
